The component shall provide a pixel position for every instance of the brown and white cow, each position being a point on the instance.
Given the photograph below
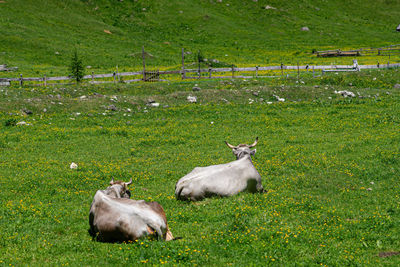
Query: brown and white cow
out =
(113, 217)
(222, 180)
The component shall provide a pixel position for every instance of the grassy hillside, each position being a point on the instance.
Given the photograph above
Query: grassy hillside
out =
(39, 36)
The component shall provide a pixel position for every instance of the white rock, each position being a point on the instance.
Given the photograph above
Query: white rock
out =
(279, 98)
(345, 93)
(192, 99)
(155, 104)
(23, 123)
(73, 166)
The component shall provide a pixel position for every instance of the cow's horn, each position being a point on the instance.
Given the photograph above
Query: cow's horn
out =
(230, 146)
(128, 183)
(254, 144)
(112, 181)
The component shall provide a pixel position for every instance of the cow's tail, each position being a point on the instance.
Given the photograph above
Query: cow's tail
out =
(170, 237)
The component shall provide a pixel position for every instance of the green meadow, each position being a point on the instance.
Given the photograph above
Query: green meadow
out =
(330, 165)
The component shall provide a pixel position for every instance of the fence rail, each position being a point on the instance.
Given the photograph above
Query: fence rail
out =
(381, 51)
(116, 76)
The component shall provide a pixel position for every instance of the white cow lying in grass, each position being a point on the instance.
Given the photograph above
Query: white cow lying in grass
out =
(222, 180)
(114, 217)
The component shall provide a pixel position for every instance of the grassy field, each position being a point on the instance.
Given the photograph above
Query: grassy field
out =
(330, 165)
(40, 36)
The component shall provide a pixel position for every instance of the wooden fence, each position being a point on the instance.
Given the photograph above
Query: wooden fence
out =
(209, 73)
(382, 51)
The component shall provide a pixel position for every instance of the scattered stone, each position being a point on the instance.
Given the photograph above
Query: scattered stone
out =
(27, 111)
(166, 106)
(155, 104)
(255, 93)
(112, 108)
(45, 110)
(192, 99)
(269, 7)
(372, 183)
(316, 86)
(345, 93)
(73, 166)
(57, 53)
(83, 97)
(23, 123)
(388, 253)
(97, 94)
(196, 89)
(396, 86)
(369, 189)
(350, 84)
(279, 98)
(88, 67)
(305, 29)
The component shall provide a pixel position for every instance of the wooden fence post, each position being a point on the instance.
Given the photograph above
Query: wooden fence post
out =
(209, 73)
(93, 77)
(183, 64)
(118, 77)
(256, 71)
(233, 71)
(144, 64)
(313, 72)
(282, 69)
(45, 80)
(114, 76)
(298, 71)
(20, 80)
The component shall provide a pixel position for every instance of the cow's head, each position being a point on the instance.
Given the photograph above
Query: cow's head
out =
(243, 149)
(119, 189)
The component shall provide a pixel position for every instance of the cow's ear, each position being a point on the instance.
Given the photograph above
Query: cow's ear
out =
(252, 152)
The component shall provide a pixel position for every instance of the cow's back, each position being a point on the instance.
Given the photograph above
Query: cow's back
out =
(223, 180)
(120, 219)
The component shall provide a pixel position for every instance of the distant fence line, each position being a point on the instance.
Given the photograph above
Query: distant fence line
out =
(199, 73)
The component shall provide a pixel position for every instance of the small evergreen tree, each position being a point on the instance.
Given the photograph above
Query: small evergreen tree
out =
(76, 68)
